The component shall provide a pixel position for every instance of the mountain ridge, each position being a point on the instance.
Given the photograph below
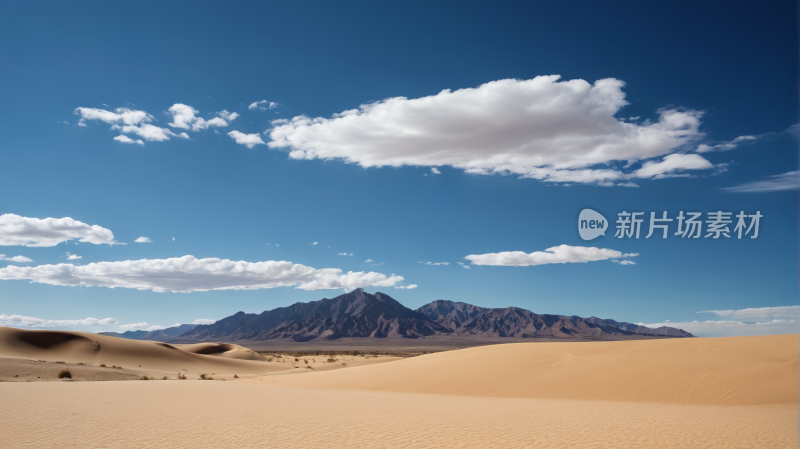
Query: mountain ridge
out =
(360, 314)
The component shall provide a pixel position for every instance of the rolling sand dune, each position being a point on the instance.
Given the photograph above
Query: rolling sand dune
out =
(75, 347)
(690, 393)
(712, 371)
(222, 350)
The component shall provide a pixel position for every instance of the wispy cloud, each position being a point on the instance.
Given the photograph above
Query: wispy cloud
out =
(263, 105)
(774, 183)
(556, 254)
(29, 321)
(189, 274)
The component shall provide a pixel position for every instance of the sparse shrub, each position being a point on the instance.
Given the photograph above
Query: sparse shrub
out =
(145, 378)
(269, 359)
(203, 376)
(165, 378)
(181, 376)
(344, 364)
(59, 362)
(235, 376)
(296, 359)
(305, 361)
(65, 374)
(332, 359)
(81, 363)
(102, 365)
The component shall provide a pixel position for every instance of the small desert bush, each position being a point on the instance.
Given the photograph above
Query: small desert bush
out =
(296, 359)
(235, 376)
(181, 376)
(203, 376)
(305, 361)
(165, 378)
(269, 359)
(145, 378)
(344, 364)
(65, 374)
(59, 362)
(81, 363)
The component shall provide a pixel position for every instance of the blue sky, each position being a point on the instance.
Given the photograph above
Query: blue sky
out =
(649, 95)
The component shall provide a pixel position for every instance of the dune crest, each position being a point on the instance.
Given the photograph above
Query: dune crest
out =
(75, 347)
(707, 371)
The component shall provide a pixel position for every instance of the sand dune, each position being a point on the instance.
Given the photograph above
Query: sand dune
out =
(75, 347)
(229, 351)
(712, 371)
(231, 415)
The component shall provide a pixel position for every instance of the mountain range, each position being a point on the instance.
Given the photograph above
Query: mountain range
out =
(157, 335)
(360, 314)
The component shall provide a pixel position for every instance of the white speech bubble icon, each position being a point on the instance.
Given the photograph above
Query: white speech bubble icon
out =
(591, 224)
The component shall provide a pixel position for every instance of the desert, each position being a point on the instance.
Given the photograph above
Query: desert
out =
(733, 392)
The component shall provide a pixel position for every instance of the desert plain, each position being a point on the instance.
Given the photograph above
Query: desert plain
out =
(735, 392)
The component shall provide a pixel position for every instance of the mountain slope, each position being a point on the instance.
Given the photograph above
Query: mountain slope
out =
(464, 319)
(353, 314)
(156, 335)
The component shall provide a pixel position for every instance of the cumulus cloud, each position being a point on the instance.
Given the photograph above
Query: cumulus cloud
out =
(539, 128)
(128, 121)
(437, 263)
(18, 259)
(315, 244)
(29, 321)
(774, 183)
(263, 105)
(556, 254)
(369, 261)
(189, 274)
(248, 140)
(435, 171)
(143, 239)
(125, 139)
(203, 321)
(34, 232)
(703, 148)
(185, 117)
(408, 287)
(73, 257)
(463, 265)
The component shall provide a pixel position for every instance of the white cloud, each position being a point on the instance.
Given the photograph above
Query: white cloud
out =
(143, 239)
(345, 254)
(248, 140)
(315, 244)
(34, 232)
(435, 171)
(671, 164)
(140, 326)
(624, 262)
(733, 328)
(463, 265)
(763, 313)
(369, 261)
(703, 148)
(409, 287)
(775, 183)
(125, 139)
(184, 116)
(173, 239)
(127, 121)
(437, 263)
(556, 254)
(29, 321)
(263, 105)
(203, 321)
(188, 274)
(18, 259)
(73, 257)
(538, 128)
